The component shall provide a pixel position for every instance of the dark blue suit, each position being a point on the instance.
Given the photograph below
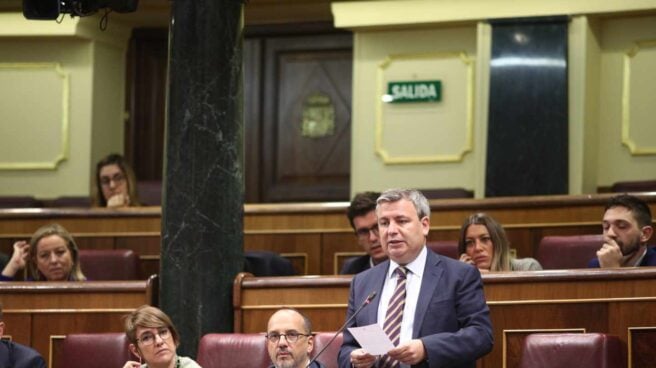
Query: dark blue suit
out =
(356, 265)
(648, 260)
(452, 318)
(14, 355)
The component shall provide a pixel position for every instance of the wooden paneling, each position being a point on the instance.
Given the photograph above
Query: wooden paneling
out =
(317, 230)
(283, 64)
(297, 167)
(36, 311)
(145, 95)
(612, 301)
(252, 118)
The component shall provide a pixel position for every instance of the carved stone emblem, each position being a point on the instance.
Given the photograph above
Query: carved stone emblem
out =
(318, 116)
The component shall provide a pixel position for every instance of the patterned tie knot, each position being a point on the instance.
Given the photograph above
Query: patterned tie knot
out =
(401, 272)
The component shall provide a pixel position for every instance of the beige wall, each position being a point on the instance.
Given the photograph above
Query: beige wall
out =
(637, 96)
(90, 87)
(600, 34)
(405, 135)
(601, 97)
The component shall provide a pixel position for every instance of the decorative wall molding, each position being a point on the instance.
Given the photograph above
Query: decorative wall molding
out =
(48, 163)
(457, 156)
(628, 140)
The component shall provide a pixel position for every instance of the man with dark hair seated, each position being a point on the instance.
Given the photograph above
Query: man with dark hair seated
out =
(16, 355)
(627, 227)
(362, 216)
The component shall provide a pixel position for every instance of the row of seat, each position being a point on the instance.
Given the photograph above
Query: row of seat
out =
(551, 350)
(150, 194)
(554, 252)
(110, 350)
(123, 264)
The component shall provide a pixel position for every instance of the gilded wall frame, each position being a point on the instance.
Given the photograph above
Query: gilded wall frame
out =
(629, 57)
(469, 113)
(62, 154)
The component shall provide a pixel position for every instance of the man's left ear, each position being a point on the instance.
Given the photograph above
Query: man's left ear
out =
(646, 233)
(425, 225)
(310, 344)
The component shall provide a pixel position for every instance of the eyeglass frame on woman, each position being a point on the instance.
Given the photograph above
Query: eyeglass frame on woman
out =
(163, 333)
(274, 337)
(364, 232)
(117, 178)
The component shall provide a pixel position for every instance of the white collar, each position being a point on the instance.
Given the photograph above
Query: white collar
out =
(416, 266)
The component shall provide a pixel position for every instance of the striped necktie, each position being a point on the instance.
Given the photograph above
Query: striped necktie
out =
(394, 315)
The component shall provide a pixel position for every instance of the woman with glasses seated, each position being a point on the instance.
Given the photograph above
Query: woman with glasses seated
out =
(154, 340)
(483, 243)
(51, 255)
(116, 185)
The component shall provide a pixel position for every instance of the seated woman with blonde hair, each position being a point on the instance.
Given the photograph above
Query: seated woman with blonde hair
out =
(154, 340)
(116, 185)
(483, 243)
(51, 255)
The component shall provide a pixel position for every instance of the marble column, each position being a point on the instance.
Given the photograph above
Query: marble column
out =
(527, 142)
(202, 211)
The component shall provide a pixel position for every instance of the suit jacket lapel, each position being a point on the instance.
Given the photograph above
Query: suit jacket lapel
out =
(429, 285)
(377, 280)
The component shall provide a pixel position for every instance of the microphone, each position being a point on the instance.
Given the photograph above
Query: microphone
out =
(370, 297)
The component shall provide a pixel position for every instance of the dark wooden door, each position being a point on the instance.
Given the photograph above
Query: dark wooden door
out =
(146, 101)
(297, 114)
(306, 119)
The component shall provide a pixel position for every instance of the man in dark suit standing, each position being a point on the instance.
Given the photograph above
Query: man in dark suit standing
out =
(13, 355)
(437, 315)
(362, 216)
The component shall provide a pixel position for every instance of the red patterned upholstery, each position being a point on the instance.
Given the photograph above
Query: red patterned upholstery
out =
(329, 356)
(447, 248)
(109, 264)
(565, 252)
(150, 192)
(19, 202)
(69, 201)
(98, 350)
(634, 186)
(445, 193)
(236, 350)
(581, 350)
(233, 350)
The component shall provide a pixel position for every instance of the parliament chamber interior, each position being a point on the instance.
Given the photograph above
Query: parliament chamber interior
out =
(248, 137)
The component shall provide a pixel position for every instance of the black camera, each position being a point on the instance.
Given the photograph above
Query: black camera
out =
(52, 9)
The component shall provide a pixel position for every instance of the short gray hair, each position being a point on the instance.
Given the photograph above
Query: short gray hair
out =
(416, 197)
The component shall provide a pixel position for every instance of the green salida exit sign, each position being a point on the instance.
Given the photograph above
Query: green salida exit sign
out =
(414, 91)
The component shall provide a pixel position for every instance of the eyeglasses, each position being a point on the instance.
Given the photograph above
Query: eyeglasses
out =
(148, 338)
(365, 231)
(291, 336)
(118, 178)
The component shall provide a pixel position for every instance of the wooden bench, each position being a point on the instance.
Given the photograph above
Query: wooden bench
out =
(40, 314)
(617, 302)
(316, 237)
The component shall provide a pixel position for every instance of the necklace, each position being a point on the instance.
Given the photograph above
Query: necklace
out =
(177, 362)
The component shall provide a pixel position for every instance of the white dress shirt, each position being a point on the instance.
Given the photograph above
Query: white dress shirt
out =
(412, 287)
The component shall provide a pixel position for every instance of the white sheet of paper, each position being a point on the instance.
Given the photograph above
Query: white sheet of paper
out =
(372, 339)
